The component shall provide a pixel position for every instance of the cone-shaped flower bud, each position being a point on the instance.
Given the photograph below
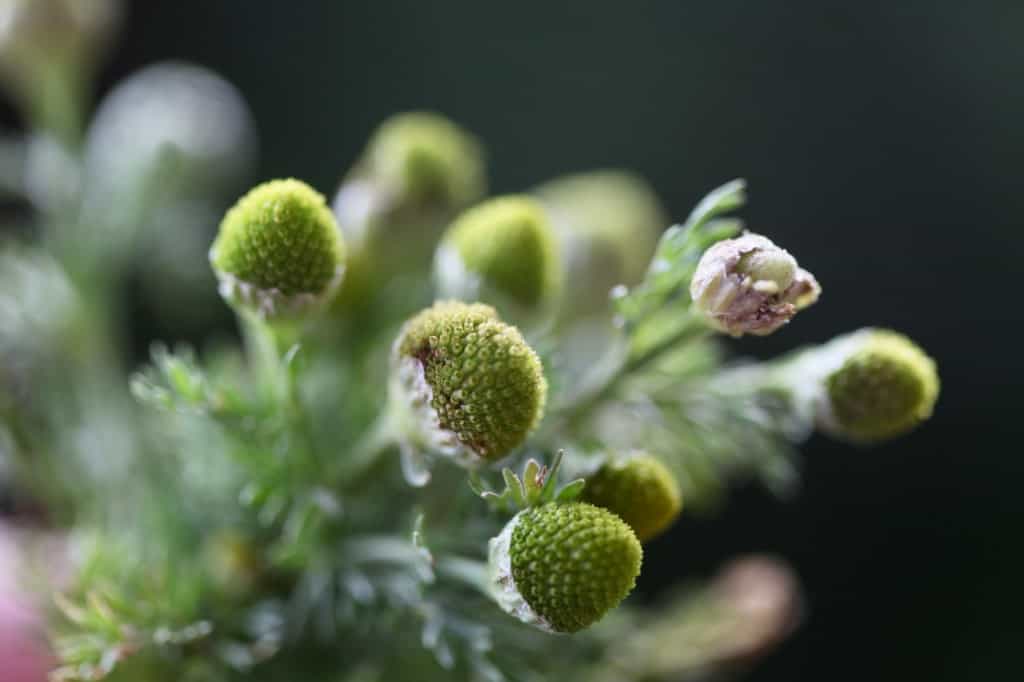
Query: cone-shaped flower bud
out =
(608, 223)
(424, 156)
(885, 386)
(279, 252)
(475, 386)
(748, 285)
(502, 251)
(562, 567)
(641, 490)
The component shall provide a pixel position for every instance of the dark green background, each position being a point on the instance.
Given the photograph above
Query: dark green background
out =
(883, 145)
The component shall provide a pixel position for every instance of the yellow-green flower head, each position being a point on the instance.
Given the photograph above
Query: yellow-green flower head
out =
(748, 285)
(885, 386)
(502, 250)
(562, 567)
(608, 223)
(641, 490)
(425, 156)
(279, 252)
(477, 388)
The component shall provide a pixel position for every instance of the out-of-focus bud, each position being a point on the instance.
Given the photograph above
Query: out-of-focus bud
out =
(24, 655)
(178, 120)
(279, 252)
(562, 567)
(414, 162)
(424, 156)
(502, 252)
(608, 222)
(748, 285)
(639, 489)
(69, 28)
(763, 597)
(752, 605)
(47, 47)
(418, 170)
(468, 384)
(877, 385)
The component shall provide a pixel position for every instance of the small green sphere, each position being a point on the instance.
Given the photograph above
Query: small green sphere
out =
(487, 385)
(572, 563)
(641, 490)
(505, 246)
(425, 156)
(279, 249)
(884, 389)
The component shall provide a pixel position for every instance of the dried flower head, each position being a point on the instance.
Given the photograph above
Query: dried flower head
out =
(748, 285)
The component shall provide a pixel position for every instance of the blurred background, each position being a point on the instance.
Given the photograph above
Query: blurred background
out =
(882, 143)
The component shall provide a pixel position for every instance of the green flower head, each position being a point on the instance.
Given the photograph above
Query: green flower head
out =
(562, 567)
(641, 490)
(504, 247)
(480, 386)
(425, 156)
(885, 387)
(279, 251)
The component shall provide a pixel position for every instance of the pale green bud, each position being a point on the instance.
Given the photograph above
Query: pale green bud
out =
(562, 567)
(474, 387)
(608, 223)
(279, 252)
(881, 386)
(502, 251)
(748, 285)
(424, 156)
(640, 489)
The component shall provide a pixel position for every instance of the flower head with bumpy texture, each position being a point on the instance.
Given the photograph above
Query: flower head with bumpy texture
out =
(562, 567)
(748, 285)
(422, 155)
(885, 387)
(476, 379)
(641, 490)
(505, 247)
(279, 251)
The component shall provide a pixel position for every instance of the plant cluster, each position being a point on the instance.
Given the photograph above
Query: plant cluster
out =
(450, 426)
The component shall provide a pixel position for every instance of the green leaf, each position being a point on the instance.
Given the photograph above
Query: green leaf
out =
(677, 254)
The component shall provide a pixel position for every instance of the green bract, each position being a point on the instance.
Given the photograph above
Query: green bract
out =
(503, 247)
(562, 567)
(641, 490)
(424, 155)
(883, 389)
(483, 383)
(279, 250)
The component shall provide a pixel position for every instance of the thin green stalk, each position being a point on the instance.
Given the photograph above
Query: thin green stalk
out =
(579, 413)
